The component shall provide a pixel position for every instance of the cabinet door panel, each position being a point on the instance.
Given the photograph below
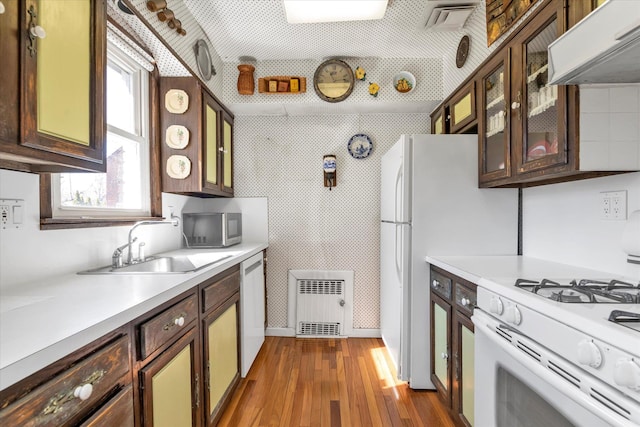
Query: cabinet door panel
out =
(227, 153)
(223, 354)
(440, 347)
(64, 67)
(211, 145)
(464, 367)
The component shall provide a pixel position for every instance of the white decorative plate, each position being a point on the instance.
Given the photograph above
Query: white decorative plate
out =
(177, 136)
(178, 167)
(176, 101)
(360, 146)
(404, 82)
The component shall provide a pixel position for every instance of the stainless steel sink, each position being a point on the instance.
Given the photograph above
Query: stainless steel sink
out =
(163, 265)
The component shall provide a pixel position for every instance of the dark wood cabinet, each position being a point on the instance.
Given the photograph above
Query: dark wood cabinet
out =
(202, 164)
(452, 343)
(53, 88)
(82, 386)
(458, 113)
(221, 341)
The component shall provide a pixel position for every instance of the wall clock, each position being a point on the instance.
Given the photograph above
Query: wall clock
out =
(333, 80)
(463, 51)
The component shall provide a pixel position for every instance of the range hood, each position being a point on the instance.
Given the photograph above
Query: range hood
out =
(602, 48)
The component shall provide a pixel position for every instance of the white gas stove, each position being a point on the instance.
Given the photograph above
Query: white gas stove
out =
(579, 336)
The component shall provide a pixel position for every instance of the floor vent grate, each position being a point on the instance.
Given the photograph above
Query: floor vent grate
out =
(323, 329)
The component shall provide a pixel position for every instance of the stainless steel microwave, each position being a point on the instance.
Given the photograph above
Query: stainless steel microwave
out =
(212, 229)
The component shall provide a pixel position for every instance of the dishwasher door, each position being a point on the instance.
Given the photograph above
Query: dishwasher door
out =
(251, 310)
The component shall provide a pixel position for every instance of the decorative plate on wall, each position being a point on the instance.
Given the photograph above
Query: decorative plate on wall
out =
(178, 167)
(463, 51)
(177, 136)
(176, 101)
(360, 146)
(203, 59)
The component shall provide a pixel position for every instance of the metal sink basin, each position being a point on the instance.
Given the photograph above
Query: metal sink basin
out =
(163, 265)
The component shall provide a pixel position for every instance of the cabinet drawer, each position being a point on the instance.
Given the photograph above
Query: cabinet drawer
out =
(465, 298)
(441, 285)
(55, 403)
(221, 290)
(116, 412)
(170, 323)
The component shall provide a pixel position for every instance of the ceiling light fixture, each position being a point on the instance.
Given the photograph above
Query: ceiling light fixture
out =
(312, 11)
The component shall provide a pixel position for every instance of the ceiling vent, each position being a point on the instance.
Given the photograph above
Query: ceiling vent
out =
(449, 18)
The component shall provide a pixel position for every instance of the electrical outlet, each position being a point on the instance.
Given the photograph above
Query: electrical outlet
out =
(11, 213)
(613, 205)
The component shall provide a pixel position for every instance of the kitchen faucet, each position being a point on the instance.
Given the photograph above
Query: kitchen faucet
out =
(116, 259)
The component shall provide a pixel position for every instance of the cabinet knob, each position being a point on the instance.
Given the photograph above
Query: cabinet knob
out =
(515, 105)
(1, 8)
(444, 355)
(222, 150)
(83, 392)
(464, 301)
(179, 321)
(435, 284)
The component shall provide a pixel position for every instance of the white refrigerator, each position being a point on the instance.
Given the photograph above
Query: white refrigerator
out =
(430, 204)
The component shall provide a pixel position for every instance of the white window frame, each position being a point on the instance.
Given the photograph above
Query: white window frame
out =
(140, 83)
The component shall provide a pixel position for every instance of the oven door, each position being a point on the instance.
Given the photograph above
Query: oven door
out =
(232, 233)
(516, 386)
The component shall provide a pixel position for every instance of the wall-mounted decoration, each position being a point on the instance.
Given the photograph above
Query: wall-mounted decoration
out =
(266, 84)
(501, 15)
(404, 82)
(360, 146)
(360, 73)
(333, 80)
(178, 167)
(177, 136)
(463, 51)
(246, 85)
(164, 14)
(374, 88)
(203, 60)
(329, 170)
(176, 101)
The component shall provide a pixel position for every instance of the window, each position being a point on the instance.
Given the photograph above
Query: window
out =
(124, 190)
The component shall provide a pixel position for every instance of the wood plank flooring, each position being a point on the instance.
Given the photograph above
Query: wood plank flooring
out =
(329, 382)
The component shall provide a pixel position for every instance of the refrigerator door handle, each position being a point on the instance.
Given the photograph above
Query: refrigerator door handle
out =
(398, 255)
(399, 194)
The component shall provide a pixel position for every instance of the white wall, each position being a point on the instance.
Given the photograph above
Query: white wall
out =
(562, 223)
(29, 254)
(311, 227)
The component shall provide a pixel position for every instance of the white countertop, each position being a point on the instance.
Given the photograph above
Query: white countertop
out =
(499, 273)
(43, 321)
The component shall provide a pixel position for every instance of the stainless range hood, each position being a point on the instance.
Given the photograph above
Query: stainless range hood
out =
(602, 48)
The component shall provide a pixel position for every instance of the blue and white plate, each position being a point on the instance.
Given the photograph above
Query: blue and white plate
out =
(360, 146)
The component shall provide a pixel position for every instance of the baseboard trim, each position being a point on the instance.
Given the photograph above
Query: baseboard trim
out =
(365, 333)
(280, 332)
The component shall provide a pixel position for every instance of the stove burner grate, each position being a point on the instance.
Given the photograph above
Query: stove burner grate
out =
(584, 290)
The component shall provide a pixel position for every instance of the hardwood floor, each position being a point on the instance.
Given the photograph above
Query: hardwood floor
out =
(329, 382)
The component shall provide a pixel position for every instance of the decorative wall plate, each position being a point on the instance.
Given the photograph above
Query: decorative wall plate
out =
(177, 136)
(404, 82)
(203, 60)
(360, 146)
(178, 167)
(463, 51)
(176, 101)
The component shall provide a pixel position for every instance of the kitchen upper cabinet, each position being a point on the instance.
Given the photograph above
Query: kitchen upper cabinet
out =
(197, 149)
(53, 87)
(453, 343)
(457, 114)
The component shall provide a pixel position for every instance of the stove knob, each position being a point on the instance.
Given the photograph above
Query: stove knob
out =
(627, 374)
(589, 354)
(513, 315)
(495, 305)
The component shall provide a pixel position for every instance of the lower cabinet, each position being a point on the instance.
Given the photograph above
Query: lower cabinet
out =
(452, 343)
(220, 327)
(175, 366)
(91, 387)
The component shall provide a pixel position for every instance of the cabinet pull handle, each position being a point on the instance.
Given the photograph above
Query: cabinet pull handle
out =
(35, 31)
(178, 321)
(515, 105)
(82, 392)
(197, 390)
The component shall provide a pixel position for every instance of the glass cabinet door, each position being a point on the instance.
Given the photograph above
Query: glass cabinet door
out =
(495, 160)
(542, 106)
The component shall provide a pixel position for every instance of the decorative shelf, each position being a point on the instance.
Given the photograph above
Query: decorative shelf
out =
(263, 84)
(532, 77)
(494, 132)
(542, 108)
(495, 102)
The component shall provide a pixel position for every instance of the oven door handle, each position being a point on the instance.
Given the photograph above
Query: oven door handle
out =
(487, 325)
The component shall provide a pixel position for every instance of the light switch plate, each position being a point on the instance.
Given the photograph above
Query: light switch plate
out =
(11, 214)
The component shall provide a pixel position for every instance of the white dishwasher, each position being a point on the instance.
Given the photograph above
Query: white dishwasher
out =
(251, 310)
